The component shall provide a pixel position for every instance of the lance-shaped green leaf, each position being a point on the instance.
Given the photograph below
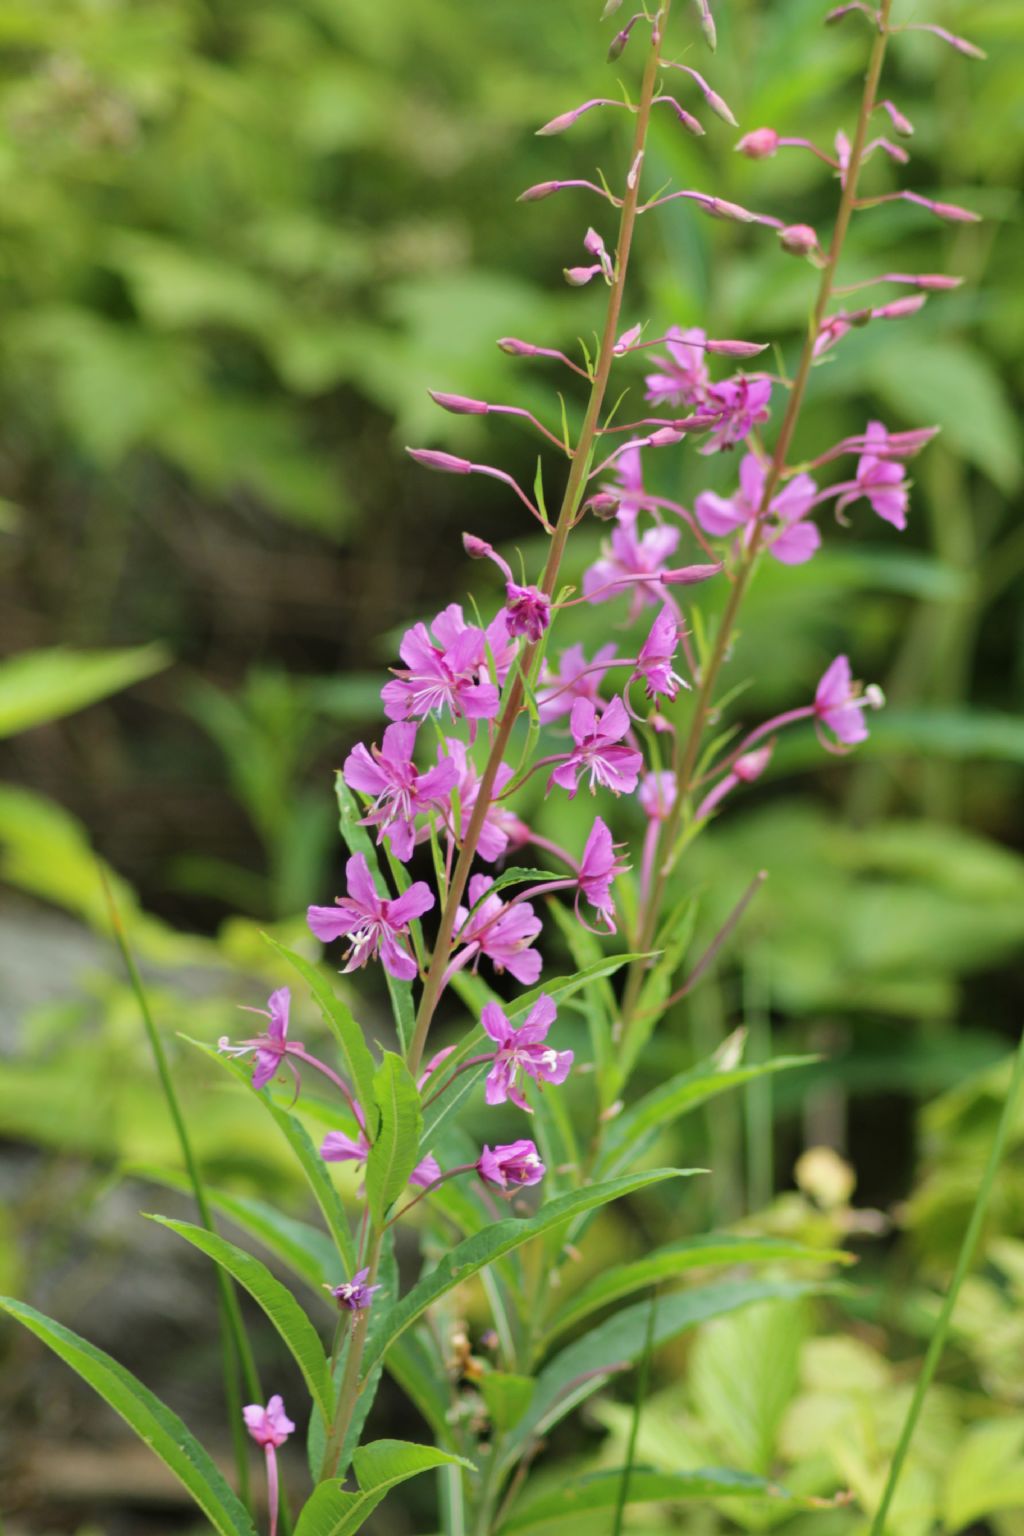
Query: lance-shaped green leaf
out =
(358, 840)
(396, 1146)
(312, 1164)
(674, 1260)
(379, 1467)
(474, 1253)
(152, 1420)
(277, 1302)
(357, 1062)
(680, 1095)
(601, 1490)
(586, 1364)
(39, 686)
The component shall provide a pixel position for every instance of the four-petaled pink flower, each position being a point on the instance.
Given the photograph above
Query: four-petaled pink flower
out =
(598, 750)
(374, 924)
(337, 1147)
(400, 792)
(522, 1050)
(839, 704)
(654, 663)
(684, 380)
(576, 678)
(739, 404)
(269, 1425)
(880, 480)
(444, 672)
(528, 611)
(500, 930)
(511, 1166)
(793, 541)
(273, 1046)
(354, 1295)
(501, 827)
(598, 868)
(631, 563)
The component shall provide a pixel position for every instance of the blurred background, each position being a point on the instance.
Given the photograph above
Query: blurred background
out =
(238, 241)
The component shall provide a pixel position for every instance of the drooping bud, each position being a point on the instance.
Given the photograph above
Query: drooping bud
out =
(933, 281)
(719, 107)
(845, 10)
(689, 122)
(611, 6)
(595, 246)
(799, 240)
(720, 208)
(901, 124)
(542, 189)
(566, 119)
(446, 463)
(707, 23)
(516, 348)
(952, 213)
(602, 504)
(969, 50)
(619, 41)
(690, 575)
(579, 277)
(752, 764)
(477, 548)
(899, 308)
(459, 405)
(759, 144)
(736, 348)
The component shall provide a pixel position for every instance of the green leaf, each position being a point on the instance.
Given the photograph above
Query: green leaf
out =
(359, 1063)
(986, 1473)
(676, 936)
(152, 1421)
(394, 1152)
(46, 685)
(357, 840)
(676, 1259)
(474, 1253)
(277, 1302)
(601, 1490)
(507, 1397)
(379, 1467)
(680, 1095)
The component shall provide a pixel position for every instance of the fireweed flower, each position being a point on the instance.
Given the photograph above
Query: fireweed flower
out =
(338, 1147)
(739, 405)
(522, 1050)
(502, 828)
(633, 563)
(500, 930)
(599, 866)
(657, 794)
(627, 485)
(444, 672)
(400, 792)
(354, 1295)
(576, 678)
(654, 663)
(512, 1166)
(528, 611)
(839, 705)
(272, 1047)
(374, 924)
(879, 480)
(597, 750)
(270, 1428)
(792, 541)
(684, 377)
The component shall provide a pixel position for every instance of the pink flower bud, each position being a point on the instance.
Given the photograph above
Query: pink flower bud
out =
(477, 549)
(688, 121)
(736, 348)
(719, 208)
(690, 575)
(969, 50)
(619, 41)
(459, 405)
(542, 189)
(951, 212)
(752, 764)
(603, 505)
(798, 240)
(559, 124)
(759, 144)
(446, 463)
(901, 124)
(516, 348)
(664, 437)
(909, 305)
(627, 339)
(720, 108)
(932, 281)
(707, 23)
(578, 277)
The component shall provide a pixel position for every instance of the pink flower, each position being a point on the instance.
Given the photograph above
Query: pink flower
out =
(354, 1295)
(598, 868)
(654, 663)
(657, 794)
(500, 931)
(685, 377)
(839, 704)
(400, 791)
(269, 1425)
(528, 611)
(739, 405)
(759, 143)
(522, 1050)
(501, 827)
(374, 924)
(627, 487)
(271, 1047)
(337, 1147)
(631, 562)
(511, 1166)
(793, 540)
(880, 480)
(597, 751)
(576, 678)
(443, 672)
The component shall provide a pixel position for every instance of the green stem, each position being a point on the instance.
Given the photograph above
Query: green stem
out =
(235, 1349)
(963, 1264)
(574, 489)
(686, 760)
(642, 1378)
(348, 1392)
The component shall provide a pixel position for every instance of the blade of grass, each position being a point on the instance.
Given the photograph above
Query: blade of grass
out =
(236, 1352)
(642, 1378)
(963, 1264)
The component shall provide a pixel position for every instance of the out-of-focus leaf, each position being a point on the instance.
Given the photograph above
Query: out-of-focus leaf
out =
(45, 685)
(601, 1490)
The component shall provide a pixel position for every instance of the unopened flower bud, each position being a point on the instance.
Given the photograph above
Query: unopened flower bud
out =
(619, 41)
(459, 405)
(535, 193)
(908, 305)
(579, 277)
(735, 348)
(476, 548)
(690, 575)
(720, 208)
(720, 108)
(707, 24)
(446, 463)
(752, 764)
(759, 144)
(664, 437)
(516, 348)
(798, 240)
(611, 6)
(901, 124)
(603, 505)
(627, 339)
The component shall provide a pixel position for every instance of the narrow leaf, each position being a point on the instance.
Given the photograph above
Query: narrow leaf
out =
(395, 1149)
(358, 1063)
(601, 1489)
(379, 1467)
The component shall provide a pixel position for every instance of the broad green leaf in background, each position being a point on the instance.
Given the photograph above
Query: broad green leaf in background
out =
(151, 1420)
(379, 1467)
(277, 1302)
(987, 1472)
(600, 1490)
(394, 1151)
(45, 685)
